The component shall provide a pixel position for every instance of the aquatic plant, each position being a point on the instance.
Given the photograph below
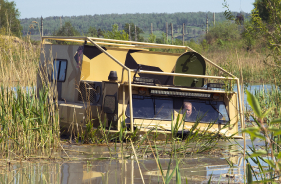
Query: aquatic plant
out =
(267, 159)
(28, 115)
(29, 123)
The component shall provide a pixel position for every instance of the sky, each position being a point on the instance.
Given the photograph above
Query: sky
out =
(46, 8)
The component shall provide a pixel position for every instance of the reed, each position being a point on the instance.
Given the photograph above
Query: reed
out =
(266, 128)
(28, 116)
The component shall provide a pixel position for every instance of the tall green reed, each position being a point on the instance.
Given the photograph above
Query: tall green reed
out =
(29, 123)
(29, 117)
(268, 158)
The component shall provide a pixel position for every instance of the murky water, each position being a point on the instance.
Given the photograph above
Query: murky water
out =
(97, 164)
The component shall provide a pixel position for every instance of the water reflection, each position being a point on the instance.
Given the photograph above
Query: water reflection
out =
(94, 168)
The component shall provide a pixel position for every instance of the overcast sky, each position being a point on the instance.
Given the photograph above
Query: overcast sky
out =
(46, 8)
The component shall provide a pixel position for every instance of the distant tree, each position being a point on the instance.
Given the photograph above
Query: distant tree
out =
(100, 33)
(9, 17)
(116, 34)
(67, 30)
(225, 31)
(92, 32)
(152, 38)
(132, 27)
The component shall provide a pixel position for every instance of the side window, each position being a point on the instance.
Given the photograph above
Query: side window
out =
(59, 73)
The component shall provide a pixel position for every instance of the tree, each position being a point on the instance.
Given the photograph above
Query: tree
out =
(132, 27)
(100, 33)
(9, 17)
(67, 30)
(261, 7)
(92, 32)
(116, 34)
(271, 32)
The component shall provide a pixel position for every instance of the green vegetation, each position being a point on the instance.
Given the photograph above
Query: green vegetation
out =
(29, 122)
(67, 30)
(28, 118)
(132, 28)
(116, 34)
(9, 18)
(268, 158)
(194, 21)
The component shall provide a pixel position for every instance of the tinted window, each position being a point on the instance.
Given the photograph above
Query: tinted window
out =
(143, 107)
(62, 71)
(59, 73)
(163, 108)
(204, 111)
(56, 69)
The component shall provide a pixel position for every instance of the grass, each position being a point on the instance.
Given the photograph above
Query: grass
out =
(28, 116)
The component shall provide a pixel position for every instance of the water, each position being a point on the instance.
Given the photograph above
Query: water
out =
(93, 164)
(89, 168)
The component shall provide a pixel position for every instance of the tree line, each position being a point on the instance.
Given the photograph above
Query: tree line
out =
(142, 20)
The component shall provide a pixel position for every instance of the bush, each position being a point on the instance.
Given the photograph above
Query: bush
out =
(225, 31)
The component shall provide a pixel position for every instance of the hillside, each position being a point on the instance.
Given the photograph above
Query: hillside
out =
(195, 22)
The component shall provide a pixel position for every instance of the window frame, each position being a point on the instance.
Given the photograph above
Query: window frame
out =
(59, 70)
(205, 101)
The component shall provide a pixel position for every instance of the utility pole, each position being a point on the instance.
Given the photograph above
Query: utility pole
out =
(151, 28)
(41, 27)
(214, 18)
(130, 32)
(0, 16)
(207, 25)
(60, 23)
(183, 34)
(136, 37)
(166, 31)
(11, 21)
(172, 33)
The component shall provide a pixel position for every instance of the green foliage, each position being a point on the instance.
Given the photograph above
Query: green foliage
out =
(9, 17)
(270, 30)
(132, 29)
(28, 122)
(225, 31)
(105, 22)
(67, 30)
(92, 32)
(261, 7)
(116, 34)
(204, 44)
(249, 174)
(227, 13)
(269, 132)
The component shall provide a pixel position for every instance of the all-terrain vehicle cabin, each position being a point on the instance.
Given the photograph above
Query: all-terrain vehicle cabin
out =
(122, 84)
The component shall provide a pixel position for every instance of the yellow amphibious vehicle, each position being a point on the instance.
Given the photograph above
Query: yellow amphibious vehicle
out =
(121, 81)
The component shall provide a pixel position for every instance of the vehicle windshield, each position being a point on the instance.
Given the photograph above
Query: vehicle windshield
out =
(162, 108)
